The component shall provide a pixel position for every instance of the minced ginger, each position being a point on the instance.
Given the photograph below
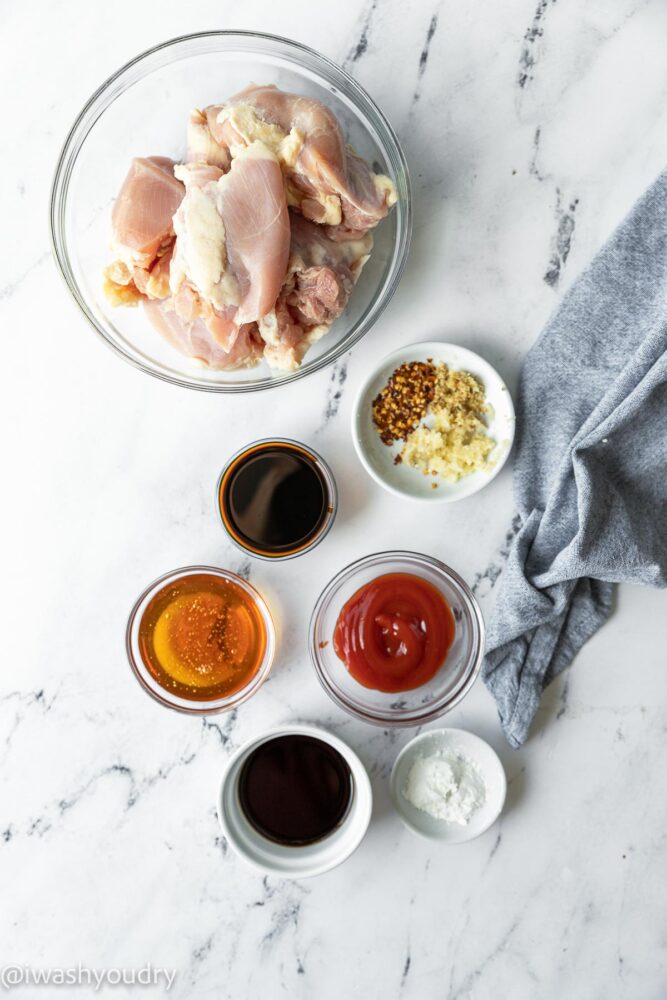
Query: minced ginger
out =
(454, 443)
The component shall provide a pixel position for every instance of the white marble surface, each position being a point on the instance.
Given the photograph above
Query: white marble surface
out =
(530, 127)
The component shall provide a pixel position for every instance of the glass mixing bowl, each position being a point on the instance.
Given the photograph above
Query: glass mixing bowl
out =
(143, 110)
(452, 681)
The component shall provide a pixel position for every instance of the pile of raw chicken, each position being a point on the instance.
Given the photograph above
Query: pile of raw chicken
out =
(251, 248)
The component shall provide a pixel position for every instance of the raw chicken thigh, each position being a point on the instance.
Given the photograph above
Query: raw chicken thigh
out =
(143, 232)
(326, 180)
(242, 348)
(232, 245)
(143, 210)
(233, 235)
(224, 271)
(320, 277)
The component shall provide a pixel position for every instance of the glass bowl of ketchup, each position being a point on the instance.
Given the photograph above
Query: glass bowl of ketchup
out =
(397, 639)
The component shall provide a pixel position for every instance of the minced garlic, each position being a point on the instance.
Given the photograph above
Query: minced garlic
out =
(454, 442)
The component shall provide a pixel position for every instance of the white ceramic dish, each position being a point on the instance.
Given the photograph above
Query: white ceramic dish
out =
(378, 458)
(490, 767)
(294, 862)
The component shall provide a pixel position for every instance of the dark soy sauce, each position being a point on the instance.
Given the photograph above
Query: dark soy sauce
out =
(274, 499)
(295, 789)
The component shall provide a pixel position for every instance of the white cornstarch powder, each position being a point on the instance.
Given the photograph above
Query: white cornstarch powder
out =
(447, 785)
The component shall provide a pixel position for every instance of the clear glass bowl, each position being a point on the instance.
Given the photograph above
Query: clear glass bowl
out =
(409, 708)
(168, 698)
(142, 110)
(332, 491)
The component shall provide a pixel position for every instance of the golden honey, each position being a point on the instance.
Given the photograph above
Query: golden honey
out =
(202, 637)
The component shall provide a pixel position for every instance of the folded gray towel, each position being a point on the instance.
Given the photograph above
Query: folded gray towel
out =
(590, 470)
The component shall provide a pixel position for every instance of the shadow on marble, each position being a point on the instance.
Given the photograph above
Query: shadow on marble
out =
(514, 764)
(553, 706)
(555, 702)
(384, 814)
(517, 786)
(354, 488)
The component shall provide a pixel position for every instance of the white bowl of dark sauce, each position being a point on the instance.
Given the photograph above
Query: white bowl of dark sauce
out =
(295, 801)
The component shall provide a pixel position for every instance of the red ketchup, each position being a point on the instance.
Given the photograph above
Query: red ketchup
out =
(394, 633)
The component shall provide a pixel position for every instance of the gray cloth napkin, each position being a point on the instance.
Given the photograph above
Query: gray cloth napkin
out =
(590, 470)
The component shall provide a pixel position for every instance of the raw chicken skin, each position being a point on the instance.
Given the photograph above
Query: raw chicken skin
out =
(202, 145)
(314, 245)
(233, 233)
(154, 282)
(327, 181)
(143, 211)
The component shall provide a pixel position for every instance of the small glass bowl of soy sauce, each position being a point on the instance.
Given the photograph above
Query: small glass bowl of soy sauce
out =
(276, 498)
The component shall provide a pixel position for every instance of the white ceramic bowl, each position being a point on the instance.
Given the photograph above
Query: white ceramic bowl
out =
(489, 765)
(378, 458)
(294, 862)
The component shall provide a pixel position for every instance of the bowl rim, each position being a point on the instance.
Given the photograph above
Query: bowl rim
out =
(356, 416)
(475, 660)
(331, 485)
(213, 707)
(362, 797)
(463, 735)
(90, 114)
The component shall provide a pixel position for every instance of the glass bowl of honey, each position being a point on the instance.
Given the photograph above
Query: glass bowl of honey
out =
(200, 640)
(397, 639)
